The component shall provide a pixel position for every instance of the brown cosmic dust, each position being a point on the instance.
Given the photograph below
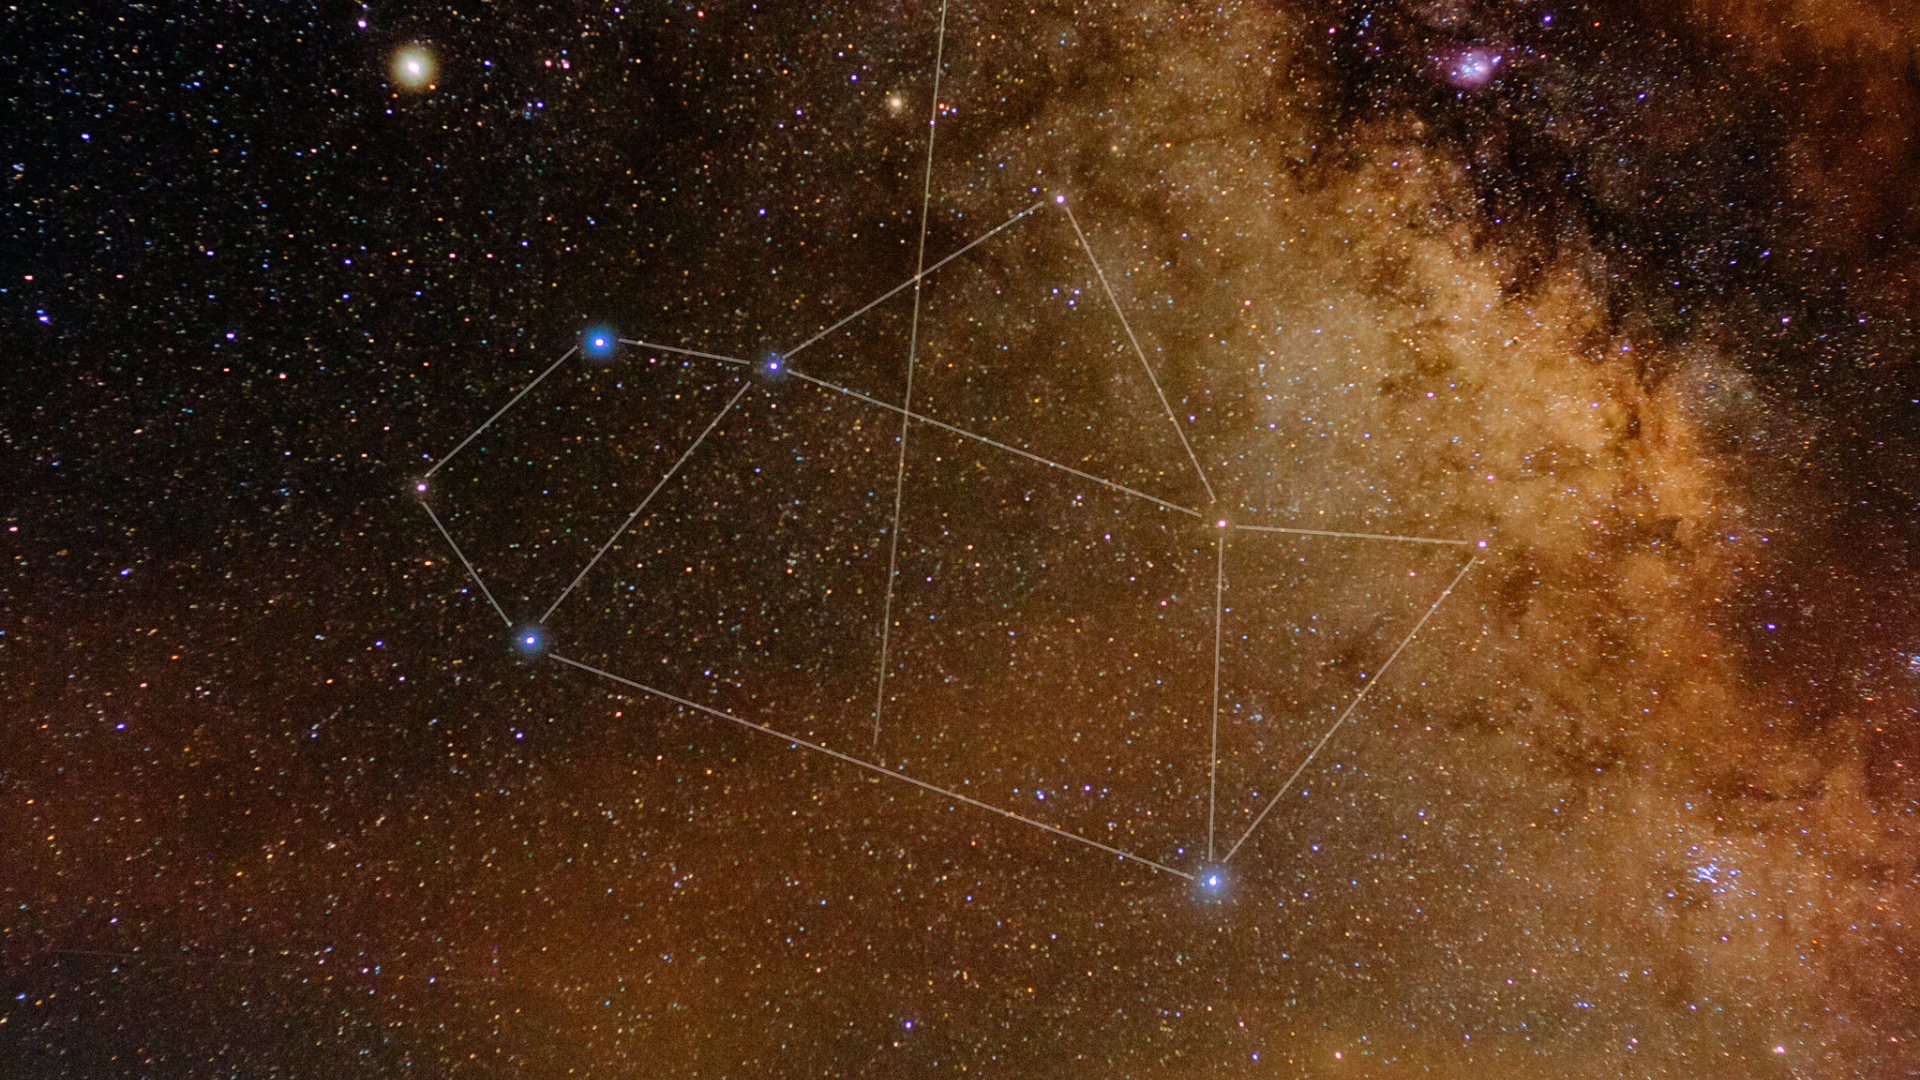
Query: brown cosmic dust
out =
(1618, 296)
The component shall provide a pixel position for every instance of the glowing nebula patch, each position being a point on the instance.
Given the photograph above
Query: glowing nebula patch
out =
(1471, 69)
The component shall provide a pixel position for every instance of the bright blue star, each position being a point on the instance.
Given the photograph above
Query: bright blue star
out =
(599, 343)
(530, 640)
(1210, 884)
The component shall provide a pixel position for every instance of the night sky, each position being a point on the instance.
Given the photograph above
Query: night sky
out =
(1615, 302)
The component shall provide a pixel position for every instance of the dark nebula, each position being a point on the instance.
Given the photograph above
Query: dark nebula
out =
(1171, 773)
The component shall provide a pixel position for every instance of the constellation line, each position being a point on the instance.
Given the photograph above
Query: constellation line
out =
(1213, 760)
(503, 409)
(744, 387)
(871, 767)
(475, 574)
(1354, 535)
(688, 352)
(1141, 353)
(1377, 676)
(913, 349)
(824, 384)
(890, 293)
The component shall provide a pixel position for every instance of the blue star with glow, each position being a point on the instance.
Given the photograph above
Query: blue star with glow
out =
(530, 640)
(599, 343)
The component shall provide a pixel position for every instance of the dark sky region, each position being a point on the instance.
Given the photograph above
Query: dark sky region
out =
(1625, 292)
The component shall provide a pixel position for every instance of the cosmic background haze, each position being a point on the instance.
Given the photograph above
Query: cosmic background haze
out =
(1626, 291)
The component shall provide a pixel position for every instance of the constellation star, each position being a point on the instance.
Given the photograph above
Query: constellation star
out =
(413, 68)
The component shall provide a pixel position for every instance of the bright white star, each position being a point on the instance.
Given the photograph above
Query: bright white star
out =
(413, 68)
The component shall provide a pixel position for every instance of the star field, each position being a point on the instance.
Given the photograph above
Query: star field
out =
(1624, 292)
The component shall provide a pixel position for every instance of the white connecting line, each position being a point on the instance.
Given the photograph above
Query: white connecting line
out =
(714, 423)
(906, 412)
(688, 352)
(1213, 755)
(1351, 705)
(915, 279)
(1353, 535)
(1137, 351)
(964, 433)
(503, 410)
(475, 574)
(907, 417)
(871, 767)
(462, 556)
(913, 348)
